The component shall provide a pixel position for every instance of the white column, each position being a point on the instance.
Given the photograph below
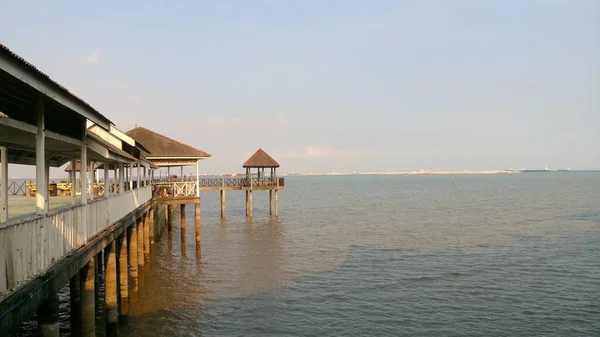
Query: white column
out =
(106, 170)
(92, 179)
(83, 177)
(182, 172)
(129, 176)
(121, 178)
(3, 184)
(41, 196)
(73, 181)
(138, 175)
(198, 178)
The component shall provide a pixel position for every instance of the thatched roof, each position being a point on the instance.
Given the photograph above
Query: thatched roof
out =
(163, 146)
(260, 159)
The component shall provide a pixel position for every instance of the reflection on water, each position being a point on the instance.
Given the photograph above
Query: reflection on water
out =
(479, 254)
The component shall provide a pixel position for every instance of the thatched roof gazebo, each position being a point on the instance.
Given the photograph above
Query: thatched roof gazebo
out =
(167, 152)
(261, 160)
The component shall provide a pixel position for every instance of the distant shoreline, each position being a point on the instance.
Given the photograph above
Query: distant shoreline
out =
(427, 172)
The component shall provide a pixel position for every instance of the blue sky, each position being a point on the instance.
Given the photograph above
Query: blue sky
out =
(334, 85)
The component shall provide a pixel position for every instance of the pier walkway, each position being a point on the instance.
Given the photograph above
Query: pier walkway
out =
(96, 230)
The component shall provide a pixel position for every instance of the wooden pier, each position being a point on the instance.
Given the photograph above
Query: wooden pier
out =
(105, 219)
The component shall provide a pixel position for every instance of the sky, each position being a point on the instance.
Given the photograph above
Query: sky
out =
(328, 85)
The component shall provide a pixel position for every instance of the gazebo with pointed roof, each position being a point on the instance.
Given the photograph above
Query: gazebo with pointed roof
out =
(261, 160)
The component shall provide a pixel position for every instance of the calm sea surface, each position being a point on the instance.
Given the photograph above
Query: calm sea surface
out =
(477, 255)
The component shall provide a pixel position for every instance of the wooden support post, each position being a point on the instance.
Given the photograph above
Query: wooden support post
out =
(270, 202)
(88, 298)
(147, 234)
(183, 247)
(198, 231)
(247, 208)
(276, 204)
(169, 218)
(110, 289)
(123, 276)
(75, 303)
(250, 203)
(99, 283)
(152, 225)
(3, 184)
(133, 264)
(222, 203)
(140, 245)
(48, 316)
(182, 216)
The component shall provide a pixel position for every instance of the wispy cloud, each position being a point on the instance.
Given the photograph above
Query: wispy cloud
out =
(93, 58)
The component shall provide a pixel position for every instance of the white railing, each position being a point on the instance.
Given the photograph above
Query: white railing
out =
(31, 245)
(175, 189)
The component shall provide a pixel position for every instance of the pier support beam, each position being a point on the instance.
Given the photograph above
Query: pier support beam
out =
(75, 303)
(222, 203)
(88, 298)
(182, 208)
(110, 289)
(48, 316)
(250, 206)
(169, 218)
(152, 225)
(123, 276)
(133, 264)
(270, 202)
(276, 203)
(147, 224)
(198, 231)
(140, 244)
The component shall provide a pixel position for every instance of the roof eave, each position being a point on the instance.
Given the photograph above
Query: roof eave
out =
(25, 72)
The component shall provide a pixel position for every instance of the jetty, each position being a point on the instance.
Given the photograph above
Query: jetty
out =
(98, 228)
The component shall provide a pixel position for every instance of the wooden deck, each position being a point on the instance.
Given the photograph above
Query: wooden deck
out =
(187, 189)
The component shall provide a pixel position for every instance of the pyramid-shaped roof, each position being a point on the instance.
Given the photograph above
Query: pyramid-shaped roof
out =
(163, 146)
(260, 159)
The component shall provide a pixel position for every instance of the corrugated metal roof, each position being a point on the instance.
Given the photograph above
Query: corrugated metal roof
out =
(47, 78)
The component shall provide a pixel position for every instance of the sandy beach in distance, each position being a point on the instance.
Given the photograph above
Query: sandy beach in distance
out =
(419, 172)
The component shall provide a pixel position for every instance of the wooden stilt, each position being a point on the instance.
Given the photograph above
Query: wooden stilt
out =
(222, 203)
(270, 202)
(110, 289)
(75, 303)
(169, 217)
(276, 204)
(133, 264)
(48, 316)
(147, 235)
(250, 207)
(182, 213)
(88, 298)
(123, 276)
(198, 230)
(140, 244)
